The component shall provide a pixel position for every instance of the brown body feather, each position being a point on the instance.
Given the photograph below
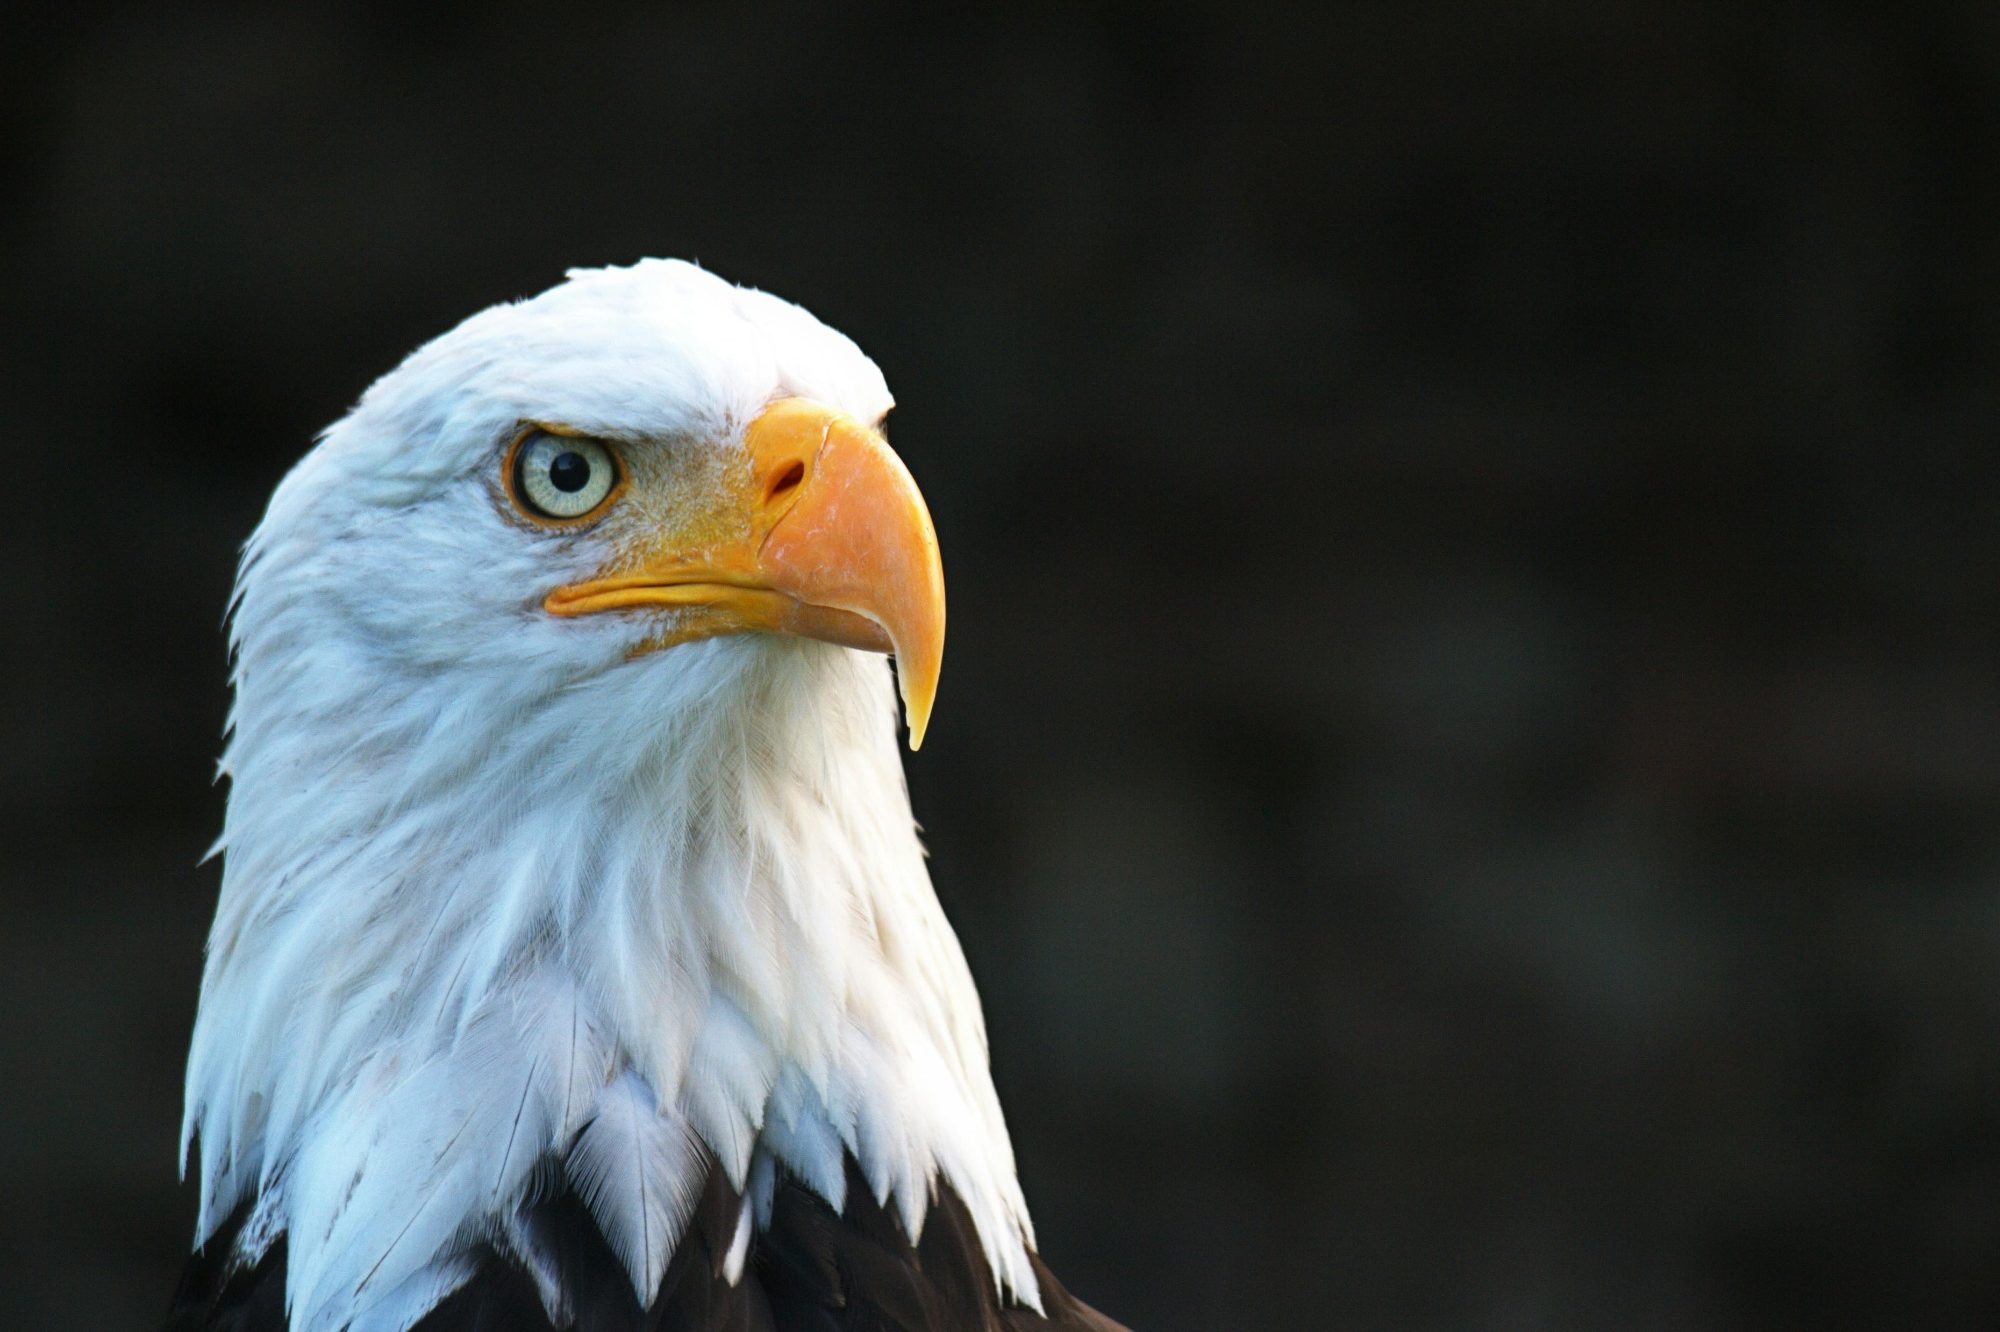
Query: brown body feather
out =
(811, 1270)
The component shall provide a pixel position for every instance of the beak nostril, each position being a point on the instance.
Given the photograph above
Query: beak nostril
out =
(786, 481)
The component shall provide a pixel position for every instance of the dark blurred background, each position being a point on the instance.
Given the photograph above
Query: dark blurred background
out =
(1469, 758)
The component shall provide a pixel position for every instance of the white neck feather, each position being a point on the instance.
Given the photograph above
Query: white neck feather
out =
(467, 925)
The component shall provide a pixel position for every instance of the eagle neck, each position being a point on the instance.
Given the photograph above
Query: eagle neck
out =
(693, 886)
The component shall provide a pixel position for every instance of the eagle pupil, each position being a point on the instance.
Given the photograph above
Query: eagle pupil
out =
(569, 472)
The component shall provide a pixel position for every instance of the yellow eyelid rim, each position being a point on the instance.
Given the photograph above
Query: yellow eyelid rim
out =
(522, 508)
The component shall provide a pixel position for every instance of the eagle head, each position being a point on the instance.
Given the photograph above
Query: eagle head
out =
(567, 846)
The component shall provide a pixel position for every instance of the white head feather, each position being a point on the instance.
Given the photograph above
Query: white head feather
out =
(497, 889)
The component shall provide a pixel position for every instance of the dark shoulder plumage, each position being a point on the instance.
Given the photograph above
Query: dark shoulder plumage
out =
(812, 1270)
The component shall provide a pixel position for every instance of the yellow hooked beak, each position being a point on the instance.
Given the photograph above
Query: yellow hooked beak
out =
(827, 537)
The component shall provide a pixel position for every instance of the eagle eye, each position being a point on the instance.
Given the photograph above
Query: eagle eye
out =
(561, 478)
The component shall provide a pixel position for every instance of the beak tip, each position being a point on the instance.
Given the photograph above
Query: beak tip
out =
(917, 702)
(918, 720)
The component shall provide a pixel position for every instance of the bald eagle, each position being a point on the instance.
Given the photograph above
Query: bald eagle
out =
(576, 963)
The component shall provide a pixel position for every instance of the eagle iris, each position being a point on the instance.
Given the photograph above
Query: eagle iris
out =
(562, 478)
